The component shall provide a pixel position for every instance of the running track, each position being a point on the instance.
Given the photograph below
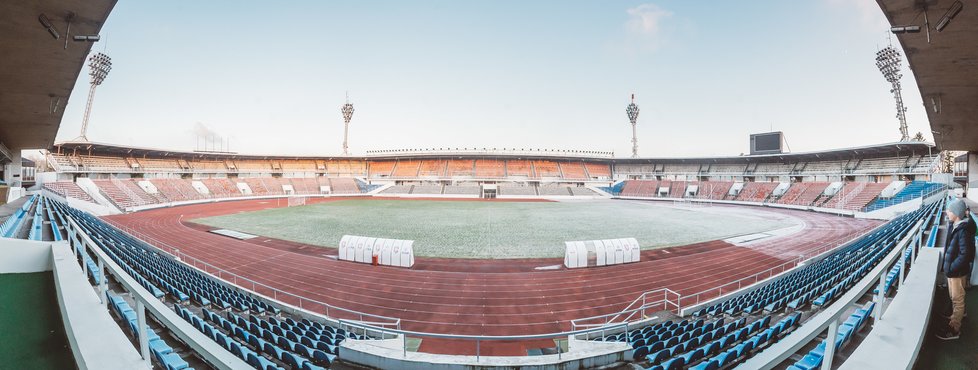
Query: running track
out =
(481, 297)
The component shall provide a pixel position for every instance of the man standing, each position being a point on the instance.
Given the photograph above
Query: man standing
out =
(958, 256)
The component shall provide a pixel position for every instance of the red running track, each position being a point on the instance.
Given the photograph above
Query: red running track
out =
(479, 297)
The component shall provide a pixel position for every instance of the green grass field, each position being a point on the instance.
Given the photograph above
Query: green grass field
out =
(471, 229)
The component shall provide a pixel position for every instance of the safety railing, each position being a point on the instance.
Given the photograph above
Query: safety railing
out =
(653, 301)
(382, 332)
(257, 288)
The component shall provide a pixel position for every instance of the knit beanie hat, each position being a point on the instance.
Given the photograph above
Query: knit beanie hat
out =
(957, 207)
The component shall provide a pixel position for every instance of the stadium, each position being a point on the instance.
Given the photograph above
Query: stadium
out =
(119, 256)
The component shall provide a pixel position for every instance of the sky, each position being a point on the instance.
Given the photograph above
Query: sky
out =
(270, 77)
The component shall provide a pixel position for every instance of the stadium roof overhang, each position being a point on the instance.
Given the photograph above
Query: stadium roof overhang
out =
(37, 71)
(890, 150)
(945, 64)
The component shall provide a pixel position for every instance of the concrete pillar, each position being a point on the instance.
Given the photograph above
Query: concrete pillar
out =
(972, 186)
(830, 345)
(141, 322)
(103, 285)
(12, 170)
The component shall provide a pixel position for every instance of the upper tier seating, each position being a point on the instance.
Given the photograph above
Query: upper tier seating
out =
(598, 170)
(546, 169)
(381, 168)
(490, 168)
(461, 167)
(298, 165)
(407, 168)
(573, 170)
(104, 164)
(517, 167)
(217, 166)
(431, 168)
(156, 165)
(346, 168)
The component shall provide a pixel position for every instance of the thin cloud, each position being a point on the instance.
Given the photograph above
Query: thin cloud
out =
(645, 24)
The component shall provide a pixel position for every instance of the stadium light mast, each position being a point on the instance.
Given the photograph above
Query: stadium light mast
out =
(632, 111)
(99, 66)
(347, 116)
(888, 61)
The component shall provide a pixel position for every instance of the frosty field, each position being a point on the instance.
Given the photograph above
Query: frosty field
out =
(474, 229)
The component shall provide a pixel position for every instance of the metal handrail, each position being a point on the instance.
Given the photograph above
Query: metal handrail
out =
(366, 328)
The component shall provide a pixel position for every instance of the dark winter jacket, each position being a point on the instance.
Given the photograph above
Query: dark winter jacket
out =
(960, 250)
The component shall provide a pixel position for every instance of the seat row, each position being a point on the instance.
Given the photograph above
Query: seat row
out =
(732, 348)
(852, 325)
(162, 352)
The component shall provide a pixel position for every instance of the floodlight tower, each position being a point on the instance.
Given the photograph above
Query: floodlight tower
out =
(99, 66)
(347, 116)
(888, 61)
(632, 111)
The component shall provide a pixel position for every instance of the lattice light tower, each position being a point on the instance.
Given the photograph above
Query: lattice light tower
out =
(632, 112)
(347, 116)
(99, 66)
(888, 60)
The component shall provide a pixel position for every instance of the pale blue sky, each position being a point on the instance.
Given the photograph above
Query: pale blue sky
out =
(272, 75)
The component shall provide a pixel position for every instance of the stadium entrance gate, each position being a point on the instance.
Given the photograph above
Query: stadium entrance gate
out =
(489, 191)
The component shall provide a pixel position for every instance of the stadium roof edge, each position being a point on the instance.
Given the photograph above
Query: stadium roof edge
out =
(870, 151)
(37, 70)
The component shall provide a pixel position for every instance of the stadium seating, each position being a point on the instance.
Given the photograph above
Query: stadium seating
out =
(343, 186)
(176, 189)
(677, 189)
(518, 168)
(305, 185)
(545, 169)
(640, 188)
(407, 169)
(381, 169)
(461, 168)
(715, 190)
(490, 168)
(756, 191)
(68, 189)
(821, 281)
(221, 188)
(915, 189)
(855, 196)
(432, 168)
(257, 186)
(573, 170)
(803, 193)
(597, 170)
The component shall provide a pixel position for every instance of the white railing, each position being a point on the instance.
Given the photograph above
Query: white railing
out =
(657, 300)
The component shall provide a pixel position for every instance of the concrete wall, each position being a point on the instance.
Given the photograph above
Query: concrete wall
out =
(24, 256)
(96, 341)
